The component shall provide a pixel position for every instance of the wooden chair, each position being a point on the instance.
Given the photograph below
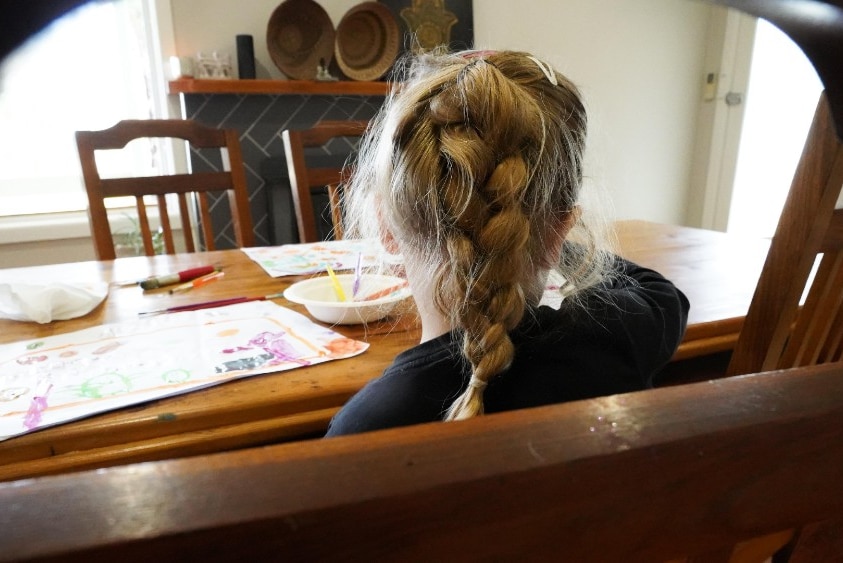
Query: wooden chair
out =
(683, 473)
(778, 333)
(200, 185)
(304, 180)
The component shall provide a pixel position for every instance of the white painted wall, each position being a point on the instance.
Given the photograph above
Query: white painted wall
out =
(639, 65)
(211, 25)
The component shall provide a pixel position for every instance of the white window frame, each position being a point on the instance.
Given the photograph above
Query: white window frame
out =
(65, 224)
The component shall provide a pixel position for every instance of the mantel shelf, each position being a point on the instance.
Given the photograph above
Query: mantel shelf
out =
(336, 88)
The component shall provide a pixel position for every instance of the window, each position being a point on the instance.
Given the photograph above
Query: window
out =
(87, 70)
(783, 91)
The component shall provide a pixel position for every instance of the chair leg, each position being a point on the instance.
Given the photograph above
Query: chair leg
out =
(818, 542)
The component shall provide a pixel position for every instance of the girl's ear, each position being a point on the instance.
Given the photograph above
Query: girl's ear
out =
(385, 234)
(570, 219)
(557, 235)
(388, 241)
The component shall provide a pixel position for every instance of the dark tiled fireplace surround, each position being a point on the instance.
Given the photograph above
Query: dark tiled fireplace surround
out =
(260, 119)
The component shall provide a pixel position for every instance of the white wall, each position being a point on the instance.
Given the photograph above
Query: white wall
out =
(56, 251)
(639, 64)
(211, 25)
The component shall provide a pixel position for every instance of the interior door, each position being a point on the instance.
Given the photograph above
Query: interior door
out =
(728, 61)
(782, 93)
(756, 116)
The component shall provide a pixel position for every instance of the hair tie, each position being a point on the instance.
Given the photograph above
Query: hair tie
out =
(548, 72)
(480, 53)
(476, 383)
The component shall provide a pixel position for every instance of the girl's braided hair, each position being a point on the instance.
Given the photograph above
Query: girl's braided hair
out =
(473, 161)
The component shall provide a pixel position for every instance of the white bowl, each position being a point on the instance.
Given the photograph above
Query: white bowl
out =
(319, 297)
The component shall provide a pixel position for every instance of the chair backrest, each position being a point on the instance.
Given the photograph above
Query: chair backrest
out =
(305, 180)
(648, 476)
(779, 333)
(189, 189)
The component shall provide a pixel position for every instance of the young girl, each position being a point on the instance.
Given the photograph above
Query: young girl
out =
(472, 172)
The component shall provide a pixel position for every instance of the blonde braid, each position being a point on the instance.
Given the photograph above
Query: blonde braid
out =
(484, 182)
(494, 302)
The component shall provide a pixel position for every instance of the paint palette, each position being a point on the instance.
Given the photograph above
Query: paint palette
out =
(375, 298)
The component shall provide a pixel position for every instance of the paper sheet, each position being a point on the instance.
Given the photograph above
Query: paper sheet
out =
(60, 378)
(311, 258)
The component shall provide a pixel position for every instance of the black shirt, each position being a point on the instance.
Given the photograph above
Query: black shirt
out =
(613, 340)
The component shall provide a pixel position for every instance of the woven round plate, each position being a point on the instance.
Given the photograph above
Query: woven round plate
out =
(368, 41)
(300, 36)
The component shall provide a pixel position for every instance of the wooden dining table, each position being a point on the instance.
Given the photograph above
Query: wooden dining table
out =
(718, 272)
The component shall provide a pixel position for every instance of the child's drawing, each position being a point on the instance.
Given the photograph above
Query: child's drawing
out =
(61, 378)
(275, 348)
(310, 258)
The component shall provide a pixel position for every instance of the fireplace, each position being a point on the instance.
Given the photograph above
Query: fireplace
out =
(260, 110)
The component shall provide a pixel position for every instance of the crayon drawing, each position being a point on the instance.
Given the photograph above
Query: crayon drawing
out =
(311, 258)
(66, 377)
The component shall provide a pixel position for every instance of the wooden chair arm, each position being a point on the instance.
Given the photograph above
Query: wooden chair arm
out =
(644, 476)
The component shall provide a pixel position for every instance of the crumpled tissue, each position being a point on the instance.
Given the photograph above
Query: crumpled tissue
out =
(52, 301)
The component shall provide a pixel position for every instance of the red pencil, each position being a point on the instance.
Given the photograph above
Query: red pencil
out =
(155, 282)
